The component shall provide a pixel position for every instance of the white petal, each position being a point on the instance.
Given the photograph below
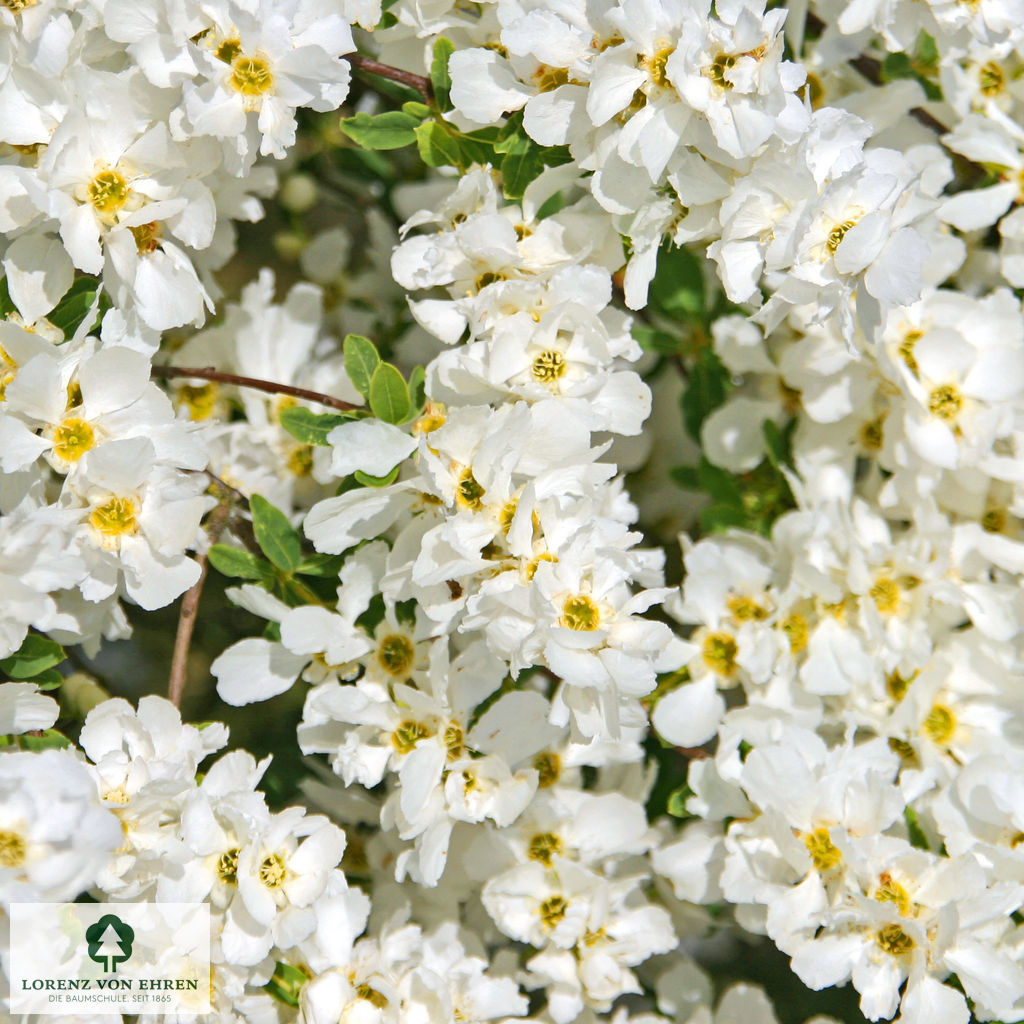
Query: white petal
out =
(255, 669)
(371, 445)
(690, 715)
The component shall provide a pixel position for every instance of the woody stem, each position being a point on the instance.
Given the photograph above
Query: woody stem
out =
(271, 387)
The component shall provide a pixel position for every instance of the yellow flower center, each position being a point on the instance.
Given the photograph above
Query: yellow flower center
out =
(251, 76)
(716, 72)
(548, 367)
(507, 514)
(273, 871)
(903, 750)
(906, 349)
(814, 89)
(886, 595)
(108, 191)
(872, 434)
(371, 995)
(549, 768)
(548, 78)
(824, 853)
(395, 654)
(746, 609)
(227, 866)
(407, 735)
(893, 940)
(486, 278)
(12, 849)
(115, 517)
(147, 237)
(552, 910)
(300, 460)
(72, 439)
(940, 724)
(453, 740)
(543, 847)
(199, 399)
(533, 563)
(890, 891)
(433, 417)
(796, 630)
(991, 79)
(719, 653)
(896, 685)
(468, 493)
(994, 520)
(580, 613)
(945, 402)
(837, 234)
(228, 50)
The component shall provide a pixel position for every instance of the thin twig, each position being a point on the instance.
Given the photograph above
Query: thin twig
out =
(188, 614)
(183, 638)
(374, 67)
(271, 387)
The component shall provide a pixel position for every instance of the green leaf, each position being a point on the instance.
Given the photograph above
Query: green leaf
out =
(389, 394)
(6, 305)
(778, 443)
(677, 802)
(361, 360)
(440, 79)
(705, 390)
(71, 311)
(439, 147)
(678, 286)
(897, 65)
(417, 391)
(686, 477)
(719, 483)
(286, 983)
(238, 564)
(901, 65)
(36, 654)
(651, 339)
(376, 481)
(915, 833)
(718, 518)
(49, 739)
(519, 167)
(390, 130)
(277, 538)
(326, 566)
(48, 679)
(927, 51)
(415, 109)
(513, 139)
(311, 427)
(478, 146)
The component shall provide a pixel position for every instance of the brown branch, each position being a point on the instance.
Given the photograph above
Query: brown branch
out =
(271, 387)
(374, 67)
(188, 614)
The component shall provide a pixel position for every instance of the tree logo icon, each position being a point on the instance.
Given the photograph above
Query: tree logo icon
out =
(110, 941)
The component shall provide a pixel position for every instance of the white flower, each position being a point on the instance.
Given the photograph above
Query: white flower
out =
(55, 835)
(23, 708)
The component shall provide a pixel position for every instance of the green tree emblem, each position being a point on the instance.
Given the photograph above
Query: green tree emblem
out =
(110, 941)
